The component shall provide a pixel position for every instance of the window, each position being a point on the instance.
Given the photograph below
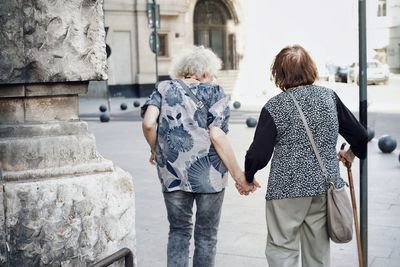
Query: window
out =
(163, 45)
(210, 30)
(209, 12)
(381, 8)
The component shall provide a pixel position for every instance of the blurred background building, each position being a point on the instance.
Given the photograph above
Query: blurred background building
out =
(212, 23)
(385, 32)
(246, 34)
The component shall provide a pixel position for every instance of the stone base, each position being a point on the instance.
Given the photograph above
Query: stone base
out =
(41, 151)
(69, 221)
(61, 202)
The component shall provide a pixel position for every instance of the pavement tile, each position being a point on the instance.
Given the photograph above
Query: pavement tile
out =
(380, 251)
(233, 260)
(385, 219)
(383, 262)
(242, 244)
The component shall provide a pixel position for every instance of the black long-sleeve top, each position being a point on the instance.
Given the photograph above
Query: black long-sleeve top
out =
(265, 138)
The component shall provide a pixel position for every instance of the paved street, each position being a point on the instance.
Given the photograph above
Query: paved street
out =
(242, 230)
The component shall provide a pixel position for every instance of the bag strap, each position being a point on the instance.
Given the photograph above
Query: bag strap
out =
(310, 137)
(198, 102)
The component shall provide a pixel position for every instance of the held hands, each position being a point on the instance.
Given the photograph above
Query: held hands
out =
(243, 187)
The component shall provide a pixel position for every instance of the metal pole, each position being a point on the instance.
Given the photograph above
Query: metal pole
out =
(108, 91)
(362, 76)
(155, 30)
(108, 98)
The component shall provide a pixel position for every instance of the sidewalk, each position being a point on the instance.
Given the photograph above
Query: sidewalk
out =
(242, 232)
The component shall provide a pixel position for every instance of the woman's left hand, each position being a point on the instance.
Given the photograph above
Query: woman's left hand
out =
(346, 156)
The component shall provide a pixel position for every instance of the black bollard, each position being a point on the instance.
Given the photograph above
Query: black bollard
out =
(236, 104)
(103, 108)
(387, 144)
(251, 122)
(136, 103)
(123, 106)
(371, 134)
(104, 117)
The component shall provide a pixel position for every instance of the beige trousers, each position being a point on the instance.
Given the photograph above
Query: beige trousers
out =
(294, 224)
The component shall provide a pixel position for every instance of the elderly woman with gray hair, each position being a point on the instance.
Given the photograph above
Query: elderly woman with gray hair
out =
(185, 123)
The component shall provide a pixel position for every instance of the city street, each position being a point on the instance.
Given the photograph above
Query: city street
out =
(78, 188)
(242, 232)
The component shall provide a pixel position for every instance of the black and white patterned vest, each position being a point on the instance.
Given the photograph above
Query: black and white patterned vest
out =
(294, 169)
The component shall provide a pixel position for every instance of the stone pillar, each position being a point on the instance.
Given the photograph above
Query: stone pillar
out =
(61, 202)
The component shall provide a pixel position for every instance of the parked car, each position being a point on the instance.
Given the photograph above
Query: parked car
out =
(376, 72)
(341, 74)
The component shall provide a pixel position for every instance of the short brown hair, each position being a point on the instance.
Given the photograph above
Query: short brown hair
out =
(293, 67)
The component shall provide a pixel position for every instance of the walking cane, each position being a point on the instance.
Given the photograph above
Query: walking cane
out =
(355, 213)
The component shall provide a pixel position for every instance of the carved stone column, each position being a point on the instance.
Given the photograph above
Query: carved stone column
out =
(61, 203)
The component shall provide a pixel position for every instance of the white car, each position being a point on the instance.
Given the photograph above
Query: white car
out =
(376, 72)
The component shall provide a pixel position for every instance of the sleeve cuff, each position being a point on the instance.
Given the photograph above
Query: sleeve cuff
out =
(249, 170)
(249, 177)
(360, 151)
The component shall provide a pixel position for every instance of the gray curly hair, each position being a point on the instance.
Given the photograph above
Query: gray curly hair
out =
(196, 61)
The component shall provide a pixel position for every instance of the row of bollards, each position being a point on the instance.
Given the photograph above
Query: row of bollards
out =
(386, 143)
(251, 122)
(105, 116)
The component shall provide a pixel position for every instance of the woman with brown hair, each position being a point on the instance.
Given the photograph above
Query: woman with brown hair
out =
(296, 193)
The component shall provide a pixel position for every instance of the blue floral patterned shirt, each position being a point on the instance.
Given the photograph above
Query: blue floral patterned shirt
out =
(186, 159)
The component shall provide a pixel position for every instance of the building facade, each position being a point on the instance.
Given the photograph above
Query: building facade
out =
(384, 31)
(393, 49)
(212, 23)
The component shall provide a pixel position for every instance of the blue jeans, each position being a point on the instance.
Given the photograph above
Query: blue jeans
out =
(180, 211)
